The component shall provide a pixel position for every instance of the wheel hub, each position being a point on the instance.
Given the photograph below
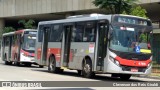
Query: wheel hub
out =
(87, 68)
(51, 65)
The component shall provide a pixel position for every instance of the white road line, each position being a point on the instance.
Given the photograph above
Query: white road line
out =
(4, 80)
(27, 80)
(1, 88)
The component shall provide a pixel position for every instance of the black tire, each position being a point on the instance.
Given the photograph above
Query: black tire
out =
(6, 62)
(79, 72)
(9, 63)
(16, 61)
(52, 65)
(59, 70)
(40, 66)
(87, 69)
(28, 64)
(125, 76)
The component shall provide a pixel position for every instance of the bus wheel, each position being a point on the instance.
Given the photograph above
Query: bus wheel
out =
(9, 63)
(125, 76)
(28, 64)
(52, 65)
(5, 59)
(79, 72)
(40, 66)
(87, 69)
(16, 62)
(6, 62)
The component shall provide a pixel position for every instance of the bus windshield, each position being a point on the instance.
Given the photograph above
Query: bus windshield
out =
(29, 42)
(130, 38)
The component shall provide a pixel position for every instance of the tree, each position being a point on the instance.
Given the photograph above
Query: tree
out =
(138, 11)
(27, 24)
(115, 6)
(8, 29)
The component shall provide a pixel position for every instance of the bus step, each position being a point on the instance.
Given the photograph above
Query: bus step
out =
(64, 68)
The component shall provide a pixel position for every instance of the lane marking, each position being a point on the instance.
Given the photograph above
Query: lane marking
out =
(4, 80)
(27, 80)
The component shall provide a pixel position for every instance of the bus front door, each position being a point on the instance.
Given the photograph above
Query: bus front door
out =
(10, 47)
(101, 45)
(66, 42)
(3, 48)
(44, 46)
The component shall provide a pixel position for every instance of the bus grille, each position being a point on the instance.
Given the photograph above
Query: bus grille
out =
(128, 68)
(133, 56)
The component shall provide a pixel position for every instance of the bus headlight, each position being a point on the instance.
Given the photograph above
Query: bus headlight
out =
(151, 58)
(111, 58)
(22, 54)
(149, 64)
(114, 61)
(117, 62)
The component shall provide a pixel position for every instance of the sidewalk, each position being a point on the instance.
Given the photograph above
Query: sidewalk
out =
(151, 76)
(154, 75)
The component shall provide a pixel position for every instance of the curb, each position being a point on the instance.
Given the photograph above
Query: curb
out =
(149, 77)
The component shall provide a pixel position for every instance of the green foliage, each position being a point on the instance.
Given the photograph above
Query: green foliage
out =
(115, 6)
(27, 24)
(138, 11)
(8, 29)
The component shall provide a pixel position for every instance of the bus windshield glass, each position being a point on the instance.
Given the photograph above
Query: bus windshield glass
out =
(130, 37)
(29, 42)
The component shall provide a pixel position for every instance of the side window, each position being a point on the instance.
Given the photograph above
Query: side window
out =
(15, 40)
(84, 32)
(77, 34)
(89, 34)
(40, 33)
(55, 33)
(6, 41)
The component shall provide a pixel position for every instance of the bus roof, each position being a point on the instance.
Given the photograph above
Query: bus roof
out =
(132, 16)
(76, 18)
(87, 17)
(18, 32)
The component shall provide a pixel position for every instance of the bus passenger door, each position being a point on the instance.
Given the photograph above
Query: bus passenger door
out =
(44, 46)
(10, 47)
(66, 42)
(2, 48)
(101, 45)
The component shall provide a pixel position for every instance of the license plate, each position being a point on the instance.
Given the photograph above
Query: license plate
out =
(134, 70)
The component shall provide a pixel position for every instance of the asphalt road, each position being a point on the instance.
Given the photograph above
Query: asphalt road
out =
(22, 73)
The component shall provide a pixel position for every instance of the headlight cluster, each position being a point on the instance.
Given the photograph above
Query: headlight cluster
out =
(26, 55)
(151, 58)
(114, 61)
(149, 64)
